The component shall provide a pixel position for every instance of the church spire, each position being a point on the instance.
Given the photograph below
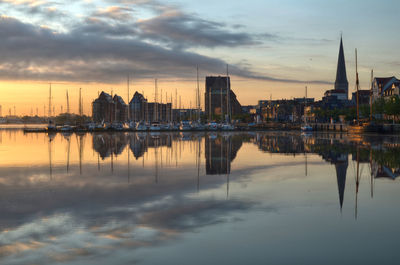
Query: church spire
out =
(341, 82)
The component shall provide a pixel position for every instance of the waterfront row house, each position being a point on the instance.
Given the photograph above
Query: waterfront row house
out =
(109, 109)
(142, 110)
(385, 87)
(103, 108)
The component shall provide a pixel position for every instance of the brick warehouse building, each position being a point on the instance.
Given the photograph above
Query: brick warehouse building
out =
(216, 98)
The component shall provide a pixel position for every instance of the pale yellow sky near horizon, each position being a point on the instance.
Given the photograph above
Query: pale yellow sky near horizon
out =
(28, 96)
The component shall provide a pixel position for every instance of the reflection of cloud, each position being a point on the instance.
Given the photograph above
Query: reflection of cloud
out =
(75, 218)
(103, 230)
(188, 216)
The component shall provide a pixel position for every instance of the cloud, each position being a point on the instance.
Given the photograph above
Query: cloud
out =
(46, 9)
(115, 13)
(110, 42)
(178, 29)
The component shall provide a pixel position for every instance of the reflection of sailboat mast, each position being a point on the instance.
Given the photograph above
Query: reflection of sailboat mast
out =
(372, 175)
(357, 180)
(156, 159)
(176, 153)
(228, 171)
(161, 158)
(68, 152)
(221, 155)
(129, 168)
(306, 163)
(112, 163)
(98, 161)
(50, 159)
(80, 150)
(180, 149)
(198, 163)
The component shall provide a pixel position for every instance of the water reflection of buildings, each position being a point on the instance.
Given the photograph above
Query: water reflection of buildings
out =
(284, 144)
(222, 148)
(387, 172)
(220, 151)
(107, 144)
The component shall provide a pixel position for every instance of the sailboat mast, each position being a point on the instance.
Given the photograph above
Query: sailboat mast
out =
(357, 87)
(80, 101)
(50, 101)
(222, 110)
(67, 103)
(176, 102)
(155, 101)
(129, 110)
(370, 96)
(171, 109)
(228, 112)
(198, 95)
(305, 106)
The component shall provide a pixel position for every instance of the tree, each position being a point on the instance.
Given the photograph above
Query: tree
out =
(392, 107)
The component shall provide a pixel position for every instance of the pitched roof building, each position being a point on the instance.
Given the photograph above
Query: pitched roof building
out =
(108, 109)
(385, 86)
(103, 108)
(121, 109)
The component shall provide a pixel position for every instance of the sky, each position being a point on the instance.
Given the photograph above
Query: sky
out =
(273, 48)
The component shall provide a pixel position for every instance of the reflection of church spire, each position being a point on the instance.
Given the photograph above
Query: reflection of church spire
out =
(341, 171)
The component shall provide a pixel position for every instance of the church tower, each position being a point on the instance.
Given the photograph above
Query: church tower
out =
(341, 82)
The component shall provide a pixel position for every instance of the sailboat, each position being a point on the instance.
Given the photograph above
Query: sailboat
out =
(357, 127)
(305, 127)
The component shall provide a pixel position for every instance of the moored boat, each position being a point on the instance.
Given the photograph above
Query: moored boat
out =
(306, 128)
(185, 126)
(155, 126)
(212, 126)
(227, 127)
(141, 126)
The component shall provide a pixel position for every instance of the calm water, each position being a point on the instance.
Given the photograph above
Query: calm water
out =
(195, 198)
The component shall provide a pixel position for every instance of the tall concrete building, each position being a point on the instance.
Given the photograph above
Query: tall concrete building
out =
(216, 97)
(341, 83)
